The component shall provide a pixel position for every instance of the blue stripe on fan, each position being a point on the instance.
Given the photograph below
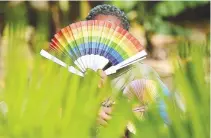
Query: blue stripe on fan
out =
(113, 56)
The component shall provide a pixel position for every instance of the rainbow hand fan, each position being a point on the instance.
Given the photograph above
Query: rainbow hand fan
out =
(94, 44)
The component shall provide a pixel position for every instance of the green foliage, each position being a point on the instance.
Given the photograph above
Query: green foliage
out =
(15, 13)
(35, 97)
(158, 25)
(46, 101)
(126, 5)
(151, 14)
(173, 8)
(195, 90)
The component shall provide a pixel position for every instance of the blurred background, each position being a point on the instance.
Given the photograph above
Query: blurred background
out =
(161, 26)
(176, 35)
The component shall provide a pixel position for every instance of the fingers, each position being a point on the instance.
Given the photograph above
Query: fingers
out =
(104, 116)
(102, 74)
(103, 78)
(100, 84)
(102, 122)
(107, 110)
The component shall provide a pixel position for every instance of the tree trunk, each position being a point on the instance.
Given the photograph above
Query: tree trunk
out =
(2, 24)
(149, 46)
(74, 11)
(55, 18)
(32, 17)
(2, 17)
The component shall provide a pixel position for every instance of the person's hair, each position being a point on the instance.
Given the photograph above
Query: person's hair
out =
(106, 9)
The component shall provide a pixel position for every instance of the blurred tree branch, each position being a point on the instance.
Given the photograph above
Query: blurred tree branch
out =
(74, 11)
(2, 24)
(55, 17)
(2, 17)
(31, 14)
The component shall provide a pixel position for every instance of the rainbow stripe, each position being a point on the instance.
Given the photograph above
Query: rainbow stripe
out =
(98, 38)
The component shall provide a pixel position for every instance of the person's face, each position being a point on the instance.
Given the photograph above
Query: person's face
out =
(110, 18)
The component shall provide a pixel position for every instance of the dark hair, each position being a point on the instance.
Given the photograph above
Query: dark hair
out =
(106, 9)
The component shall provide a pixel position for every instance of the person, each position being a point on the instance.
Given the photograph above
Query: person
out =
(135, 72)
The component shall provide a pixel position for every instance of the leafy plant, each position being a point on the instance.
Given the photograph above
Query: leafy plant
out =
(44, 100)
(152, 14)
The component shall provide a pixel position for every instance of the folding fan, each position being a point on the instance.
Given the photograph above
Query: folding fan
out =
(94, 44)
(143, 89)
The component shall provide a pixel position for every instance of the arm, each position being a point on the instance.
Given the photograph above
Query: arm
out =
(147, 92)
(144, 71)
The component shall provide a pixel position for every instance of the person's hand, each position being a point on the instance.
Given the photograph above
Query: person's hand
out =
(104, 116)
(103, 79)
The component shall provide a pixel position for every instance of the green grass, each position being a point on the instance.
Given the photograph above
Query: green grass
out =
(46, 101)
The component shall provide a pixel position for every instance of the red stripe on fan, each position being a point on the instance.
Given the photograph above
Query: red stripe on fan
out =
(136, 43)
(90, 23)
(64, 30)
(78, 25)
(59, 34)
(53, 46)
(101, 23)
(73, 26)
(84, 23)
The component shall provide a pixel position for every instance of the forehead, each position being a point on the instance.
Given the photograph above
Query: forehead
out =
(110, 18)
